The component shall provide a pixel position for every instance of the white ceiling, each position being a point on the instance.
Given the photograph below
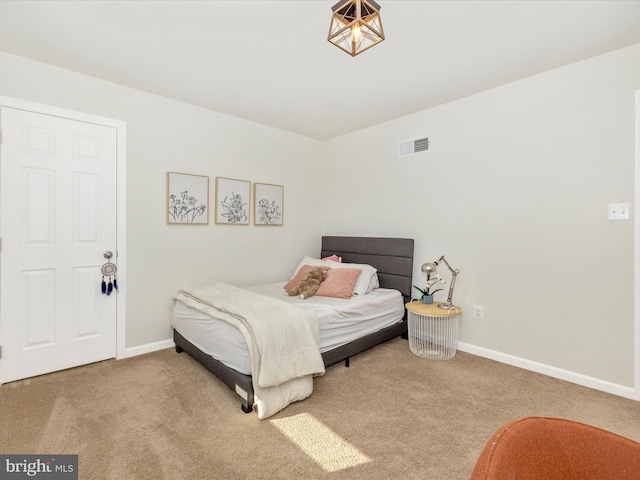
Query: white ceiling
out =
(270, 62)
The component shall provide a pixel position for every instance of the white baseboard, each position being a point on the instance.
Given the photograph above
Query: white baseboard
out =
(577, 378)
(148, 348)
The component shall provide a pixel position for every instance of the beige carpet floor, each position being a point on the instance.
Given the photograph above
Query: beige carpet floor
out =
(391, 415)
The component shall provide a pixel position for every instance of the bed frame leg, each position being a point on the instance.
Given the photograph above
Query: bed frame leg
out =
(346, 362)
(247, 405)
(179, 349)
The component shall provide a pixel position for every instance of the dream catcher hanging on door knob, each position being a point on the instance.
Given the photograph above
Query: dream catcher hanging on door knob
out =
(109, 274)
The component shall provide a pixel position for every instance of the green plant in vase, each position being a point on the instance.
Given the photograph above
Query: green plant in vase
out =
(428, 291)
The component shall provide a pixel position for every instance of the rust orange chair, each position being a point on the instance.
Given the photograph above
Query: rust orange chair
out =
(544, 448)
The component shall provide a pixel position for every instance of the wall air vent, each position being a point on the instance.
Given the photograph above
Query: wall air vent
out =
(411, 147)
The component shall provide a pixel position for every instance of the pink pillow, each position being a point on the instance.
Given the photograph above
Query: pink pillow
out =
(339, 283)
(297, 278)
(333, 258)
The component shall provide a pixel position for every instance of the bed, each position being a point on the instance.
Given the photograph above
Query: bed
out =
(393, 260)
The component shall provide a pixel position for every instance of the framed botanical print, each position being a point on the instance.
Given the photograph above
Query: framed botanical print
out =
(232, 201)
(268, 204)
(187, 199)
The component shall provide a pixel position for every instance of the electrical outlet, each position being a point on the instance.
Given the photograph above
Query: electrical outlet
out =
(478, 312)
(618, 211)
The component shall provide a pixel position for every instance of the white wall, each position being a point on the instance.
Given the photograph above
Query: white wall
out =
(514, 192)
(164, 135)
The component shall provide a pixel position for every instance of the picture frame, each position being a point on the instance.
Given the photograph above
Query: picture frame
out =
(232, 201)
(268, 204)
(187, 199)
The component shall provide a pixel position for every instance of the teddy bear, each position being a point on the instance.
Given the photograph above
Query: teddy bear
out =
(309, 284)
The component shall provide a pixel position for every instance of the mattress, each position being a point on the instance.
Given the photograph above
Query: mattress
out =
(341, 321)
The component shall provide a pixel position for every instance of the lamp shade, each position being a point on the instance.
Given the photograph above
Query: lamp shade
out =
(429, 267)
(355, 26)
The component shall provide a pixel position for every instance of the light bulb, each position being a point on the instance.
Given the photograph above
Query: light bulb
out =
(355, 32)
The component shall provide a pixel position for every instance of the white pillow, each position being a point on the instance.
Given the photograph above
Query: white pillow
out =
(373, 283)
(314, 262)
(367, 280)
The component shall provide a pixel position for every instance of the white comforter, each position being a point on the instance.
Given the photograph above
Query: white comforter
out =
(283, 341)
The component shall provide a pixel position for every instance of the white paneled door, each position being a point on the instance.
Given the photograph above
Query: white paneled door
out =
(57, 219)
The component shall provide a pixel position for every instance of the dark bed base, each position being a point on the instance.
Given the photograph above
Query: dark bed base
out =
(242, 384)
(236, 381)
(392, 257)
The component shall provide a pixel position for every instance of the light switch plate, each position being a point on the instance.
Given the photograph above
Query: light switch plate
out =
(618, 211)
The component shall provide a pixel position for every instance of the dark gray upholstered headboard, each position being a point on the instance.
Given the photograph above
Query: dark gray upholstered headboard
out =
(392, 257)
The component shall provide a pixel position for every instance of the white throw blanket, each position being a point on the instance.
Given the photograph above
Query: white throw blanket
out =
(283, 341)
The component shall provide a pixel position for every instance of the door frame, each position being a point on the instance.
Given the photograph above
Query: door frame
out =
(636, 218)
(121, 191)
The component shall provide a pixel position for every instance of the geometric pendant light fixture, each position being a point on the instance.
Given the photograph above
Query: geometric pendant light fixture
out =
(355, 26)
